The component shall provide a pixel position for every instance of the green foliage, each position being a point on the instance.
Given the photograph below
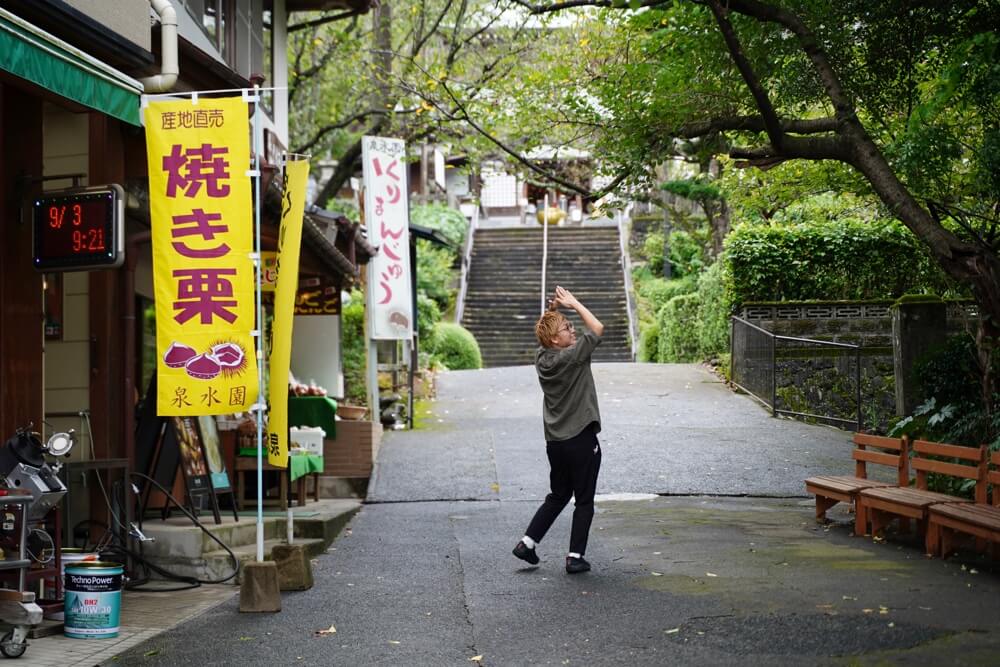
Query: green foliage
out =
(948, 423)
(954, 411)
(655, 292)
(695, 189)
(950, 372)
(352, 318)
(714, 309)
(841, 259)
(649, 342)
(428, 315)
(451, 223)
(678, 340)
(435, 273)
(687, 253)
(456, 347)
(652, 250)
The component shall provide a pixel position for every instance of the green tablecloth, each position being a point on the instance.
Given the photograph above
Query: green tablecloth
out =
(313, 411)
(298, 464)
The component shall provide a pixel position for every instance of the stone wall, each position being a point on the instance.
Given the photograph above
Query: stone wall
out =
(820, 380)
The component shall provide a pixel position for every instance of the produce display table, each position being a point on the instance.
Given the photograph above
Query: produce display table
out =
(313, 411)
(300, 468)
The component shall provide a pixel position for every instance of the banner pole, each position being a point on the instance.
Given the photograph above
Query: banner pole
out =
(260, 329)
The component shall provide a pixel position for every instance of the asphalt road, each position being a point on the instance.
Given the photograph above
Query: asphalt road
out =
(713, 560)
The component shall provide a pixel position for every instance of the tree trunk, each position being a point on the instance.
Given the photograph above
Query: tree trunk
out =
(968, 263)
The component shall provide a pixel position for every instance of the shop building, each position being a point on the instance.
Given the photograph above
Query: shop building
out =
(75, 350)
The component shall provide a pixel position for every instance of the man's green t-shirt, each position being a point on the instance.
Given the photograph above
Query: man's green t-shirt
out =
(570, 403)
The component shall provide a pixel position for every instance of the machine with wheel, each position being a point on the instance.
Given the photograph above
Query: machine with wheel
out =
(29, 489)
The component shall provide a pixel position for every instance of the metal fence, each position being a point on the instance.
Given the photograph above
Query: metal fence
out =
(806, 378)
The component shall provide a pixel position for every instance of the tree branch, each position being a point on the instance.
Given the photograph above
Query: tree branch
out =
(323, 20)
(755, 124)
(346, 166)
(326, 129)
(772, 124)
(569, 4)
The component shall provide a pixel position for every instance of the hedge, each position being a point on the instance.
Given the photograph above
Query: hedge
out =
(714, 309)
(456, 347)
(649, 342)
(657, 291)
(843, 259)
(678, 339)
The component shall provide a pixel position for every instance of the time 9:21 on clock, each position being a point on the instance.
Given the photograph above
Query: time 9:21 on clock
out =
(79, 229)
(88, 240)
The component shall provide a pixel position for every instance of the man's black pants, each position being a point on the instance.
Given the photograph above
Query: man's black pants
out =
(574, 465)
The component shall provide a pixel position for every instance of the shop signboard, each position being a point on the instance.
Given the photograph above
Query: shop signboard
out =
(318, 299)
(387, 216)
(287, 265)
(203, 275)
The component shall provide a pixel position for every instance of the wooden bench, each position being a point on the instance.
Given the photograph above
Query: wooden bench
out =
(878, 506)
(832, 489)
(980, 520)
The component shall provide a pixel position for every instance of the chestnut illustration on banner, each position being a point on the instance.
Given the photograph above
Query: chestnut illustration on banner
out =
(203, 367)
(178, 354)
(225, 357)
(229, 355)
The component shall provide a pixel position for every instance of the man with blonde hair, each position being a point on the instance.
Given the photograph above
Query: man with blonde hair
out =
(572, 421)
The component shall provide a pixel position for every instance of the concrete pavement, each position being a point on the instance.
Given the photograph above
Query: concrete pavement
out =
(727, 568)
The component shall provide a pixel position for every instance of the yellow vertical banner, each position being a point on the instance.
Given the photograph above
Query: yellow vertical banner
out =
(202, 235)
(293, 201)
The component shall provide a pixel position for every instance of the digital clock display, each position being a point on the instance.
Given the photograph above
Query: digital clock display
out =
(75, 230)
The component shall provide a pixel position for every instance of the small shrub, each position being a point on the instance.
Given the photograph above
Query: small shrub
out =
(428, 315)
(456, 347)
(451, 223)
(352, 319)
(649, 342)
(657, 291)
(713, 312)
(652, 250)
(435, 275)
(678, 340)
(686, 254)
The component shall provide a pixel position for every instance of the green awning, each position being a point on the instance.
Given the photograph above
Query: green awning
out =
(33, 54)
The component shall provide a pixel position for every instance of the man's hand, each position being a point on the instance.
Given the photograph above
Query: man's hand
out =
(565, 298)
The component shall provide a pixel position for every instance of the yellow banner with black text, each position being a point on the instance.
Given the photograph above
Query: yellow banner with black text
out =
(202, 235)
(293, 201)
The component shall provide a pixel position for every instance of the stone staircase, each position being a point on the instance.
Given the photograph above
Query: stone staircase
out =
(184, 549)
(503, 298)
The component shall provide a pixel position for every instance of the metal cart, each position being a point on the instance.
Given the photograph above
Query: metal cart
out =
(17, 607)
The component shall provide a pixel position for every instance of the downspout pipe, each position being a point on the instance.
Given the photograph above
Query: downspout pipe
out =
(169, 69)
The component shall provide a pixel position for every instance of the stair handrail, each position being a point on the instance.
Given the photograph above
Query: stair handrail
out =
(626, 265)
(466, 263)
(545, 247)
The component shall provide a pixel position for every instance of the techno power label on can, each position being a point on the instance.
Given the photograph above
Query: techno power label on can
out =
(93, 600)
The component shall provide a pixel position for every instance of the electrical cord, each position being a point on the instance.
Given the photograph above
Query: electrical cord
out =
(136, 583)
(192, 580)
(52, 547)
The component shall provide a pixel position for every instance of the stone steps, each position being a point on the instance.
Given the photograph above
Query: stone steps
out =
(504, 289)
(184, 549)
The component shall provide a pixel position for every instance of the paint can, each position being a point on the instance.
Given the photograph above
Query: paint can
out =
(93, 599)
(69, 556)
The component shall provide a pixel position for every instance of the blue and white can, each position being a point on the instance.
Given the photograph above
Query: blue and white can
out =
(93, 600)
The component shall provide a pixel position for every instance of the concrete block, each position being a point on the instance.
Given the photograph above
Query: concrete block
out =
(259, 591)
(294, 568)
